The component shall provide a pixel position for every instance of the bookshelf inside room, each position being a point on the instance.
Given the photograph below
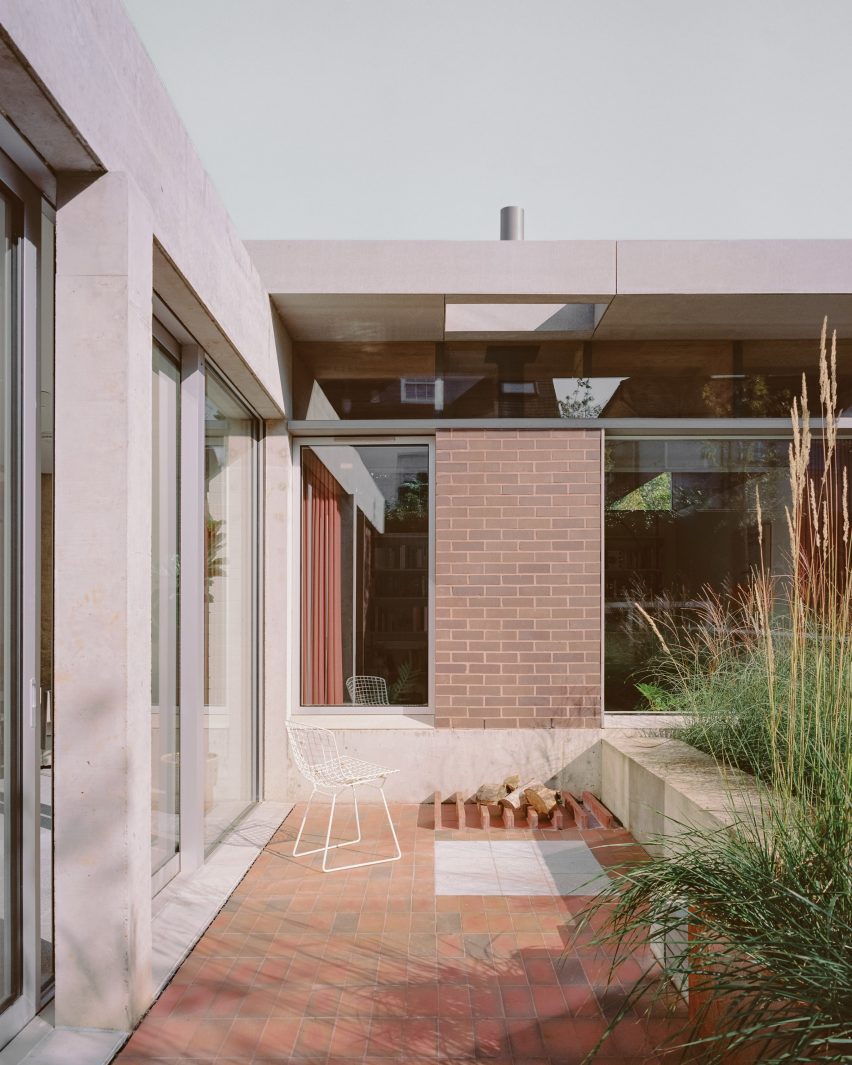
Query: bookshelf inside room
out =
(395, 578)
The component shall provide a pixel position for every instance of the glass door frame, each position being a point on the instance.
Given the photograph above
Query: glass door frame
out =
(169, 347)
(27, 996)
(194, 364)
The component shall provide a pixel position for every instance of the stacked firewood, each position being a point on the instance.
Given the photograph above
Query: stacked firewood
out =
(517, 799)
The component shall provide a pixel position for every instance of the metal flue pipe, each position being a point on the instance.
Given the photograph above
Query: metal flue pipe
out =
(511, 223)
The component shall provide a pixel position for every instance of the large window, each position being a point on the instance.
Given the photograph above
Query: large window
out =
(231, 630)
(681, 517)
(365, 575)
(567, 379)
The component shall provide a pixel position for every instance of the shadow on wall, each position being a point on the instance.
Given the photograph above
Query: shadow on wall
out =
(460, 760)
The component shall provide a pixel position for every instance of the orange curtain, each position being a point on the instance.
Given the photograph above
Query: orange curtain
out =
(322, 623)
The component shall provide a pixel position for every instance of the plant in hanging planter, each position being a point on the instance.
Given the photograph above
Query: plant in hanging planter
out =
(765, 683)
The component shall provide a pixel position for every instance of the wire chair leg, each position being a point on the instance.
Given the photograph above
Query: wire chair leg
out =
(357, 815)
(390, 822)
(296, 852)
(329, 846)
(374, 861)
(328, 834)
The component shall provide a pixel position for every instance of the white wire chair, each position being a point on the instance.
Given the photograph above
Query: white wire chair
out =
(368, 691)
(318, 759)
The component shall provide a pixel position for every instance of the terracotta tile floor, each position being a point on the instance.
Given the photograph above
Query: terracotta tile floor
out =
(371, 966)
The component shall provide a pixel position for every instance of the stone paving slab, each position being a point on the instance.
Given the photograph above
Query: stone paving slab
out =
(376, 965)
(516, 867)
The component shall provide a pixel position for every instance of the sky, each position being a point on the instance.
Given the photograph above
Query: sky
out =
(604, 119)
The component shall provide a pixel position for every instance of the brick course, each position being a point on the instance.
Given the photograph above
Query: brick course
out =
(518, 578)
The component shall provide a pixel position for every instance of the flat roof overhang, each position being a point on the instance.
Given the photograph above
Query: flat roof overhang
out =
(383, 291)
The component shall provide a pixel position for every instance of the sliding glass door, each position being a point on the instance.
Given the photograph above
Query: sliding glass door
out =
(204, 601)
(165, 619)
(26, 641)
(230, 614)
(10, 962)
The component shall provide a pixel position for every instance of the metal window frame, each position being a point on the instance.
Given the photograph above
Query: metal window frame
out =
(349, 712)
(163, 340)
(192, 608)
(28, 995)
(732, 427)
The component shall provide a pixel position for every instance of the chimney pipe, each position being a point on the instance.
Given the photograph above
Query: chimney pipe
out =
(511, 223)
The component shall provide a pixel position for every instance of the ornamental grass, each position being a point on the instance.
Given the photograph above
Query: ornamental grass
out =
(764, 681)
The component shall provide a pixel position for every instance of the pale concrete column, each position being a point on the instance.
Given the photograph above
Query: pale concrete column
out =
(278, 596)
(103, 604)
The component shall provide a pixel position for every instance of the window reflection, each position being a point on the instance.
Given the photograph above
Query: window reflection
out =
(556, 379)
(365, 567)
(681, 517)
(230, 631)
(165, 611)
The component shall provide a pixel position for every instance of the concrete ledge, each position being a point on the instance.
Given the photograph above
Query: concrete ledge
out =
(661, 787)
(631, 719)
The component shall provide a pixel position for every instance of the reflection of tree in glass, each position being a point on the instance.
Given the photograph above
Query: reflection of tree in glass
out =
(405, 677)
(580, 403)
(412, 502)
(655, 494)
(214, 557)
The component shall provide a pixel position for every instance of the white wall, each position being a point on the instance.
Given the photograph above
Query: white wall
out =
(88, 57)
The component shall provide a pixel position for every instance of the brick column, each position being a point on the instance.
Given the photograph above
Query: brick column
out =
(518, 578)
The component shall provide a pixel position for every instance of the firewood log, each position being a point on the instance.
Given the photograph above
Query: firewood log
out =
(488, 794)
(540, 798)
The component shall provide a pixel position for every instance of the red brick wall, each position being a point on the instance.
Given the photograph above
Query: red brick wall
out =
(518, 584)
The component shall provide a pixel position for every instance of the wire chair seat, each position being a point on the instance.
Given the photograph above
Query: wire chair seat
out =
(347, 772)
(320, 762)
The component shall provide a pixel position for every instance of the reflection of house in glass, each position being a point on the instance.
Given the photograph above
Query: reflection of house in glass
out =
(412, 491)
(365, 595)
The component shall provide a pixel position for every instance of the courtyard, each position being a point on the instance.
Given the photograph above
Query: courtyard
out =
(466, 949)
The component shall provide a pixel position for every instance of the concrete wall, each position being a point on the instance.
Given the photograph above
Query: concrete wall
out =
(450, 760)
(102, 680)
(275, 665)
(517, 582)
(660, 787)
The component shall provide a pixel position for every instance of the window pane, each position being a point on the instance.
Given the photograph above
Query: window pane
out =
(332, 381)
(230, 630)
(568, 378)
(10, 784)
(680, 517)
(165, 612)
(46, 283)
(365, 575)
